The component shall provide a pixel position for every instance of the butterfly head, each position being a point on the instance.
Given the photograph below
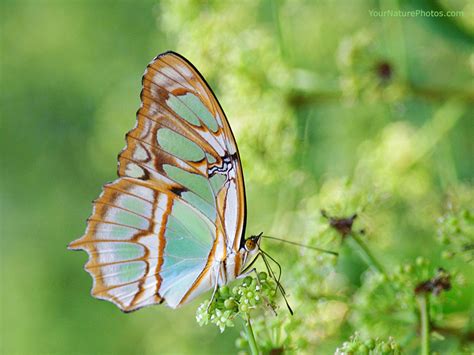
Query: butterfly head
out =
(252, 243)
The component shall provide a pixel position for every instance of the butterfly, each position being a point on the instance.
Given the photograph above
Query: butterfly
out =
(172, 225)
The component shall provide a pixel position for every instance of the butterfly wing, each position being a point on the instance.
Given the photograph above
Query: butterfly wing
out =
(179, 203)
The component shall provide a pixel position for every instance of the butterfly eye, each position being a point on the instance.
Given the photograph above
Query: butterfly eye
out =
(250, 244)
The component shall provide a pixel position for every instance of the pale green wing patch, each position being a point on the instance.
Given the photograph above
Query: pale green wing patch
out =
(178, 145)
(189, 240)
(193, 182)
(200, 228)
(188, 235)
(217, 181)
(178, 278)
(203, 206)
(105, 231)
(132, 203)
(122, 273)
(127, 218)
(182, 110)
(196, 106)
(190, 107)
(210, 158)
(113, 252)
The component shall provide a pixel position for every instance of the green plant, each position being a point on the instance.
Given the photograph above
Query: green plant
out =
(403, 301)
(239, 302)
(369, 346)
(456, 233)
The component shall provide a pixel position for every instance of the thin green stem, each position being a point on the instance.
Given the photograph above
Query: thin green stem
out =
(423, 302)
(367, 254)
(251, 337)
(277, 20)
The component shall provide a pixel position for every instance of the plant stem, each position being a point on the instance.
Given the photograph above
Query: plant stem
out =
(251, 337)
(367, 254)
(423, 302)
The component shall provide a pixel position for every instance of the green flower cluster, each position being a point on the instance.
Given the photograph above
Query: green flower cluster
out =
(389, 301)
(240, 300)
(357, 345)
(365, 75)
(456, 232)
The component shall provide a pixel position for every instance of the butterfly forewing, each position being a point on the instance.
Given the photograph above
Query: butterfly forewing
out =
(179, 203)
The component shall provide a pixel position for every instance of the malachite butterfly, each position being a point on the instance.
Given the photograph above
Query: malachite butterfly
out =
(172, 225)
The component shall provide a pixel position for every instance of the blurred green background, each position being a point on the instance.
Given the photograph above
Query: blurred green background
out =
(331, 107)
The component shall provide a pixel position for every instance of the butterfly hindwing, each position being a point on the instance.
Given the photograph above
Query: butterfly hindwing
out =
(179, 201)
(123, 246)
(142, 241)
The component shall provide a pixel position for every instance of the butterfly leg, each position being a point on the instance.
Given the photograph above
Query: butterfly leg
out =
(247, 271)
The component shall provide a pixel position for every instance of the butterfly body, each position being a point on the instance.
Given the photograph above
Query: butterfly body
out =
(172, 225)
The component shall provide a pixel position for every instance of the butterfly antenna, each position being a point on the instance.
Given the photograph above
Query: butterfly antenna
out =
(277, 279)
(302, 245)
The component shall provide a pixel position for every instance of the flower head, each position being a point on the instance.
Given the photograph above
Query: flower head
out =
(240, 300)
